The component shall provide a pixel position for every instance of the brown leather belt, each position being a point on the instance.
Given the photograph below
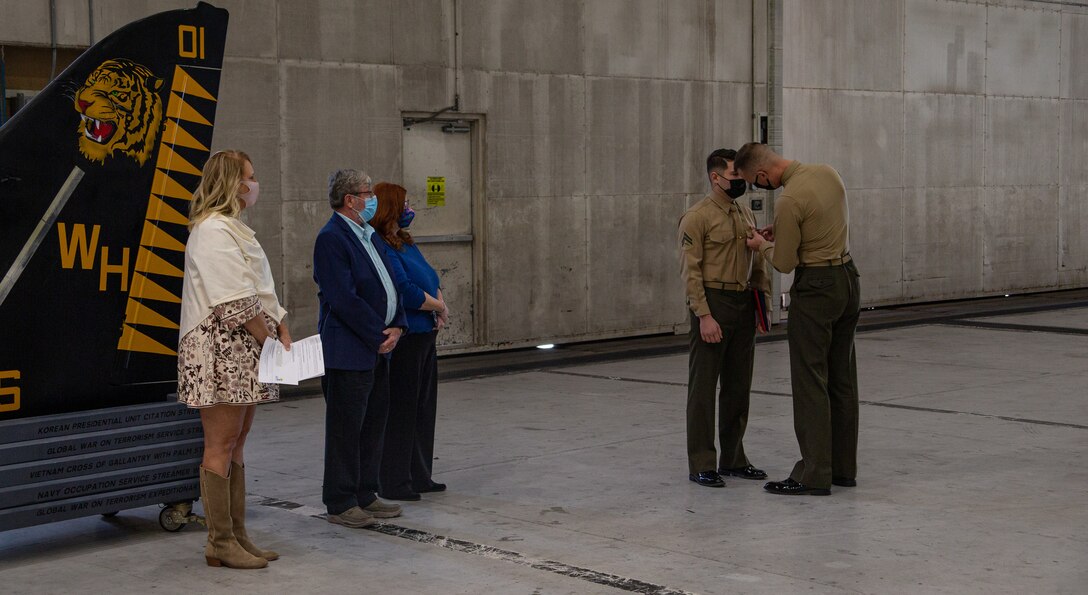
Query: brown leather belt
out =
(834, 262)
(724, 285)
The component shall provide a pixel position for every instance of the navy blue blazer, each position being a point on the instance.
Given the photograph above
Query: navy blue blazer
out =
(353, 301)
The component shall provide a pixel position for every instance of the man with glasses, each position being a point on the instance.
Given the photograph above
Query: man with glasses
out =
(360, 321)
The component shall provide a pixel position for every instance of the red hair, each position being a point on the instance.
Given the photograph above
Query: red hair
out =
(386, 220)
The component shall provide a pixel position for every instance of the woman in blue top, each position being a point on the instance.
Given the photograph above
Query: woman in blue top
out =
(413, 365)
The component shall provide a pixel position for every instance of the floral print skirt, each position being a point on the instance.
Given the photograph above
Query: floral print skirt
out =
(217, 361)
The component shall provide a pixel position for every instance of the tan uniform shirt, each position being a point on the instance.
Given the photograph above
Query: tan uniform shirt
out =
(811, 218)
(712, 239)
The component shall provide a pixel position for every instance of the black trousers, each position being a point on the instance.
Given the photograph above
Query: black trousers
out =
(413, 404)
(356, 406)
(730, 362)
(825, 303)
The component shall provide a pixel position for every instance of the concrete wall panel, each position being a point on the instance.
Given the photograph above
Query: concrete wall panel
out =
(945, 47)
(1021, 148)
(634, 285)
(25, 22)
(945, 140)
(843, 44)
(251, 30)
(730, 31)
(248, 118)
(876, 242)
(1023, 56)
(1074, 143)
(1074, 56)
(424, 88)
(625, 38)
(299, 294)
(536, 136)
(423, 32)
(1020, 243)
(338, 117)
(337, 30)
(536, 268)
(652, 136)
(1073, 236)
(859, 133)
(942, 243)
(522, 35)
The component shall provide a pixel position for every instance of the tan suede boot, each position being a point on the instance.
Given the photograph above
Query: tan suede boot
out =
(222, 548)
(238, 512)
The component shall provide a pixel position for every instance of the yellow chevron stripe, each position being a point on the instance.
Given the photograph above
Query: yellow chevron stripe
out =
(137, 313)
(164, 185)
(149, 262)
(134, 340)
(158, 210)
(171, 161)
(177, 136)
(187, 85)
(146, 289)
(153, 237)
(177, 108)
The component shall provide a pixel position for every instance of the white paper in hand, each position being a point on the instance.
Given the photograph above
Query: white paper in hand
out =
(279, 366)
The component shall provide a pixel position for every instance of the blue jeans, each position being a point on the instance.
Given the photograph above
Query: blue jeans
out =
(356, 406)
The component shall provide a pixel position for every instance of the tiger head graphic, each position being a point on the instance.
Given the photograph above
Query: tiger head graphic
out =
(120, 110)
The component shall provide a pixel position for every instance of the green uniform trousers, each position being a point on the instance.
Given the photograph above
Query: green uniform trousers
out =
(824, 307)
(731, 362)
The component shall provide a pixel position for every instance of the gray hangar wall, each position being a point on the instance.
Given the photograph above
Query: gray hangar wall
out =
(960, 128)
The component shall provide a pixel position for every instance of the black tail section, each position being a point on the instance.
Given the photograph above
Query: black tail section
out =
(96, 174)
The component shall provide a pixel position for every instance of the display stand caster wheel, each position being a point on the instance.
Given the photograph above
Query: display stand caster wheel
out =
(174, 517)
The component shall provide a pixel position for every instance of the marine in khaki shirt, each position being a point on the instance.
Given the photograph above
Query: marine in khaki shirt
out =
(810, 236)
(713, 253)
(810, 219)
(719, 273)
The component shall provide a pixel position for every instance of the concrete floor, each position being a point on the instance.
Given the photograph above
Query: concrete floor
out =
(573, 480)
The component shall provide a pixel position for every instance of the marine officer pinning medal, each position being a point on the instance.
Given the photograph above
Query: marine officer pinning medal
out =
(810, 235)
(719, 273)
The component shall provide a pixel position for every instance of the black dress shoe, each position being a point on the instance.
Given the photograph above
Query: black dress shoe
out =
(433, 487)
(710, 479)
(747, 472)
(789, 487)
(405, 496)
(845, 482)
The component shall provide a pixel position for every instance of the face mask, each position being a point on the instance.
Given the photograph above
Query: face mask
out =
(406, 218)
(250, 198)
(370, 206)
(766, 186)
(736, 189)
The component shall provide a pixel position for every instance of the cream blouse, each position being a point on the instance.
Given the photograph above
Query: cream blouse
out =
(224, 262)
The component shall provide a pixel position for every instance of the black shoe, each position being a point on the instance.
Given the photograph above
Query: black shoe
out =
(433, 487)
(789, 487)
(710, 479)
(405, 496)
(746, 472)
(845, 482)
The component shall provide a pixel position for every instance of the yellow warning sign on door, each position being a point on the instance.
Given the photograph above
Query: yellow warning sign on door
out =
(436, 191)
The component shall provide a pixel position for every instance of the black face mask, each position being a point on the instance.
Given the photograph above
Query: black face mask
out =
(736, 189)
(766, 186)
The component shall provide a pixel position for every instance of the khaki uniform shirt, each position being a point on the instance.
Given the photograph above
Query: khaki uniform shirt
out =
(712, 239)
(811, 218)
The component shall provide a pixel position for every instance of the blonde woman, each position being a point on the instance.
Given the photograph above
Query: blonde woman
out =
(228, 309)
